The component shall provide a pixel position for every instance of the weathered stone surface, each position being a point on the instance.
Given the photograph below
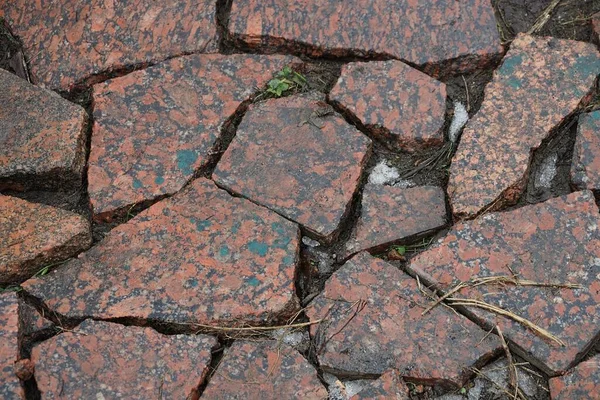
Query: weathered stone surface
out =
(153, 129)
(102, 360)
(265, 370)
(201, 256)
(42, 137)
(388, 386)
(398, 104)
(541, 81)
(302, 166)
(389, 331)
(391, 215)
(462, 34)
(583, 382)
(585, 168)
(10, 387)
(557, 241)
(34, 235)
(32, 325)
(596, 28)
(72, 42)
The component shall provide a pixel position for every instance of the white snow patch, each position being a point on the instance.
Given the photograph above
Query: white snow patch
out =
(459, 120)
(547, 172)
(383, 173)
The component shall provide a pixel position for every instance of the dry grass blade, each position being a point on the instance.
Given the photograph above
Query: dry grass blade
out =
(543, 18)
(500, 311)
(482, 375)
(252, 329)
(513, 380)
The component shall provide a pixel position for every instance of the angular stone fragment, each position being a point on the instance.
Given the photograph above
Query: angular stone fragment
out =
(200, 257)
(299, 158)
(71, 42)
(391, 215)
(374, 322)
(32, 325)
(102, 360)
(42, 137)
(460, 34)
(10, 387)
(267, 370)
(585, 168)
(541, 82)
(388, 386)
(582, 383)
(400, 105)
(555, 242)
(35, 235)
(153, 129)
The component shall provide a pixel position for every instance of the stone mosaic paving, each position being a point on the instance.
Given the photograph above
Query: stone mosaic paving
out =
(233, 241)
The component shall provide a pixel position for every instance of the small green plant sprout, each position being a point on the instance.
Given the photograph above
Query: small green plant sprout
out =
(399, 249)
(285, 80)
(463, 391)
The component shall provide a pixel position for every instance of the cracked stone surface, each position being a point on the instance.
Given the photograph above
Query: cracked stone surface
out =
(10, 388)
(389, 331)
(400, 105)
(390, 215)
(155, 128)
(71, 42)
(32, 325)
(585, 168)
(116, 361)
(461, 35)
(557, 241)
(388, 386)
(267, 370)
(583, 382)
(40, 150)
(200, 257)
(541, 82)
(306, 168)
(35, 235)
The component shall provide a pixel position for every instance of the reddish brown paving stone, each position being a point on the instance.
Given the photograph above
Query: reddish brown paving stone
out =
(390, 215)
(400, 105)
(105, 360)
(280, 158)
(585, 168)
(582, 383)
(462, 34)
(10, 387)
(540, 83)
(264, 370)
(557, 241)
(70, 42)
(388, 386)
(390, 332)
(153, 129)
(200, 257)
(35, 235)
(41, 150)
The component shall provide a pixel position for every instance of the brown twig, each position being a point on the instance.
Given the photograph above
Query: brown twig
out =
(543, 18)
(513, 380)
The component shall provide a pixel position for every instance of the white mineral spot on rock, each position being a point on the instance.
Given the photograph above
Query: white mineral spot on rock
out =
(383, 173)
(310, 242)
(547, 172)
(404, 184)
(459, 120)
(300, 340)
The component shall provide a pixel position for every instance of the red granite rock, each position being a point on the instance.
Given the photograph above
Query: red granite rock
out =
(10, 387)
(540, 82)
(388, 386)
(582, 383)
(71, 43)
(558, 242)
(585, 168)
(398, 104)
(35, 235)
(287, 158)
(102, 360)
(374, 322)
(200, 257)
(32, 325)
(42, 137)
(267, 370)
(391, 215)
(153, 129)
(462, 35)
